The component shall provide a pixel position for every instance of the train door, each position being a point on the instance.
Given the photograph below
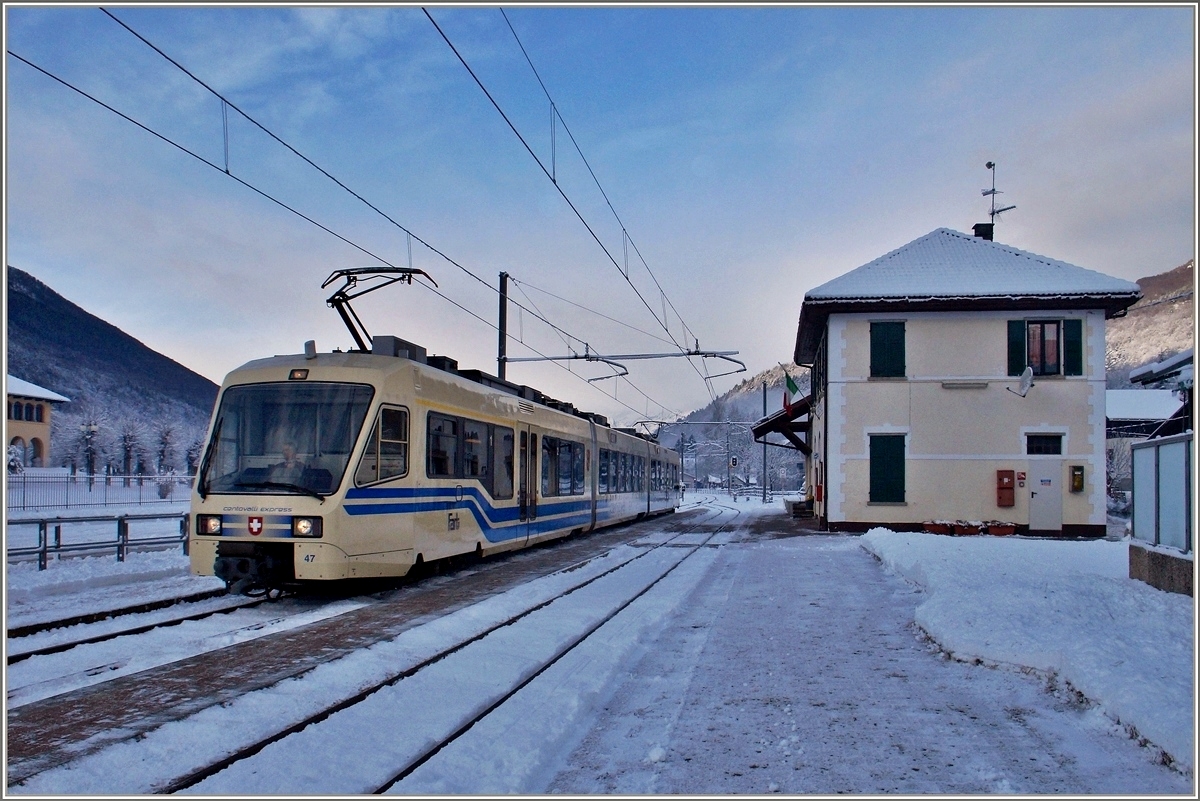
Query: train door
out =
(527, 480)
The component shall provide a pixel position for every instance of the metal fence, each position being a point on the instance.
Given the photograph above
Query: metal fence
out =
(50, 540)
(33, 491)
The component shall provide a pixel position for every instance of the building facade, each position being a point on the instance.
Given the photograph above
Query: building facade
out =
(28, 413)
(957, 378)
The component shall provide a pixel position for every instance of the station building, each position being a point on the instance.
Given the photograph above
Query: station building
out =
(957, 378)
(28, 420)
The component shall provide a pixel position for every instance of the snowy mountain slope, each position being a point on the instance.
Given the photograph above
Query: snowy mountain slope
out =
(1159, 325)
(109, 376)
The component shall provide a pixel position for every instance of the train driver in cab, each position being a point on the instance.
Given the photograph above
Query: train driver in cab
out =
(290, 469)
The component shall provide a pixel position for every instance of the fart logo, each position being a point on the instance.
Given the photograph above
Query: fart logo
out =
(255, 525)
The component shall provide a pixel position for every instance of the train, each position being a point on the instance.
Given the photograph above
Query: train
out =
(372, 463)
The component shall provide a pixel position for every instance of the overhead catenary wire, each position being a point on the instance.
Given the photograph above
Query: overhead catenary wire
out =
(550, 175)
(628, 240)
(309, 219)
(227, 104)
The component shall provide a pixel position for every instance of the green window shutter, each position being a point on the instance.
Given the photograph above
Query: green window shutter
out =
(887, 349)
(887, 468)
(1072, 347)
(1016, 347)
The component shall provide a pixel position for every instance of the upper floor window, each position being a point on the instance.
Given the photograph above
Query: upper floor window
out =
(1049, 347)
(887, 349)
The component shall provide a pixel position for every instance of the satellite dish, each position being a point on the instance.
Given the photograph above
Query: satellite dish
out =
(1026, 383)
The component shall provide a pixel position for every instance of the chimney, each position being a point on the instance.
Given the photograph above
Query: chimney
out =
(983, 230)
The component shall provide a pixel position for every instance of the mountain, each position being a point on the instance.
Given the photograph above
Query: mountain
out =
(111, 378)
(1159, 325)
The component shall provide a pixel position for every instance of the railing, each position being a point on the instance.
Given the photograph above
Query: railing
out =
(32, 491)
(50, 537)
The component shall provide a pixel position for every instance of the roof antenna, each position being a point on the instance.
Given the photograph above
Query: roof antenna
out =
(995, 212)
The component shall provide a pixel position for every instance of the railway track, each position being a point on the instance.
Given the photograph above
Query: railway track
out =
(578, 596)
(591, 593)
(57, 636)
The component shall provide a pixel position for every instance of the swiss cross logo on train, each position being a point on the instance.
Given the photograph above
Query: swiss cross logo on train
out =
(255, 526)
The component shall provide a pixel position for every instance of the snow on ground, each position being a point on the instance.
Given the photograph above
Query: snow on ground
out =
(82, 585)
(1066, 608)
(623, 720)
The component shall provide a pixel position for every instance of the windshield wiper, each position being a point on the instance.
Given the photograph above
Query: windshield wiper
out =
(202, 484)
(281, 485)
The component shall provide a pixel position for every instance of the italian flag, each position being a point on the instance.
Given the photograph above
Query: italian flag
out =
(790, 391)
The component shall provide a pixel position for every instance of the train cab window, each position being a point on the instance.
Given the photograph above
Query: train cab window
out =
(386, 454)
(502, 462)
(443, 446)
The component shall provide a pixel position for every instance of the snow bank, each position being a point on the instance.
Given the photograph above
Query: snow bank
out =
(1066, 608)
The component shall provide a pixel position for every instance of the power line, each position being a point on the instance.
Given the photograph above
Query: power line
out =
(554, 106)
(528, 285)
(566, 198)
(305, 217)
(226, 103)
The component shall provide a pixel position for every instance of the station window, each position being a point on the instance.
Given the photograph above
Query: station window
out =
(887, 349)
(1049, 347)
(1043, 444)
(887, 468)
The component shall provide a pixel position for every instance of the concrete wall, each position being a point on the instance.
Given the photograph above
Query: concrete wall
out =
(960, 421)
(1166, 571)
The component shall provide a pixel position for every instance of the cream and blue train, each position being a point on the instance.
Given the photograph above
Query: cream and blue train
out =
(363, 465)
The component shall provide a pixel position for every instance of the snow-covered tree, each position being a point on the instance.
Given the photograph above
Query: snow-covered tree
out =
(16, 459)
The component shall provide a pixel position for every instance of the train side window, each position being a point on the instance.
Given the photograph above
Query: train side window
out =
(623, 473)
(577, 481)
(502, 462)
(442, 446)
(386, 454)
(475, 452)
(566, 460)
(602, 470)
(549, 466)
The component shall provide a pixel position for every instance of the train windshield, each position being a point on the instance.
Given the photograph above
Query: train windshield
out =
(284, 438)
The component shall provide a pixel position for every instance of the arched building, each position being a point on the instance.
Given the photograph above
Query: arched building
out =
(28, 420)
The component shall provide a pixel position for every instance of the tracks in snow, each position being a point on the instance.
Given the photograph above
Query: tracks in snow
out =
(488, 668)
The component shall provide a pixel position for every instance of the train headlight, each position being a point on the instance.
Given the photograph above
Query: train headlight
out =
(306, 526)
(208, 525)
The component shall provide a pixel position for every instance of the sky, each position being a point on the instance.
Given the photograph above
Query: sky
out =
(741, 157)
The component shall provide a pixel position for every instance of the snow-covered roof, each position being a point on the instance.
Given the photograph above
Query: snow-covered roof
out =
(25, 389)
(1157, 371)
(947, 270)
(950, 264)
(1140, 404)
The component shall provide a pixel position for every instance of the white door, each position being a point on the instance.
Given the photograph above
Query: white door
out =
(1045, 495)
